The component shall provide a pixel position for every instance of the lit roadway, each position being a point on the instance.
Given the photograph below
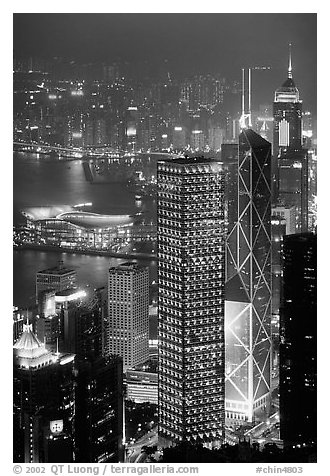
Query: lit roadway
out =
(134, 453)
(105, 152)
(266, 431)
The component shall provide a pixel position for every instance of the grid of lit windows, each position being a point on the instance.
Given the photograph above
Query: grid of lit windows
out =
(128, 313)
(191, 301)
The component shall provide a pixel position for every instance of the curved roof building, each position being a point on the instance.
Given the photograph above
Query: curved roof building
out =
(95, 220)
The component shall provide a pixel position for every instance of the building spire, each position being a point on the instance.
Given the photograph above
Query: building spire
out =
(290, 63)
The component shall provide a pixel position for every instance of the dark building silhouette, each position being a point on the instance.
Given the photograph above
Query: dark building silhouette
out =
(298, 340)
(191, 275)
(99, 392)
(293, 184)
(44, 400)
(99, 410)
(229, 158)
(248, 282)
(83, 324)
(279, 227)
(278, 232)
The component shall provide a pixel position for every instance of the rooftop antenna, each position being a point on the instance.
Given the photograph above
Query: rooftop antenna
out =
(246, 115)
(243, 115)
(243, 94)
(290, 62)
(249, 114)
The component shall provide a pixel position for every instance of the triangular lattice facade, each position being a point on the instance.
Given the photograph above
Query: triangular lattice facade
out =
(248, 287)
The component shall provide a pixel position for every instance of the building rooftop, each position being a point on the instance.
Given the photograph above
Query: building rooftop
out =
(254, 139)
(57, 270)
(191, 160)
(66, 292)
(288, 92)
(29, 346)
(127, 266)
(301, 237)
(288, 84)
(95, 220)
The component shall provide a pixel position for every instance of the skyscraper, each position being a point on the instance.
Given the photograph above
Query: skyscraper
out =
(229, 158)
(248, 282)
(278, 232)
(99, 410)
(98, 379)
(287, 110)
(83, 324)
(128, 313)
(298, 340)
(290, 160)
(191, 249)
(43, 402)
(57, 278)
(293, 185)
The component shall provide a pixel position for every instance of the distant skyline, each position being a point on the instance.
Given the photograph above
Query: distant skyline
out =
(190, 42)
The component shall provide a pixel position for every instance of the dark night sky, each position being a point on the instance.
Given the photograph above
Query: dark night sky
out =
(191, 42)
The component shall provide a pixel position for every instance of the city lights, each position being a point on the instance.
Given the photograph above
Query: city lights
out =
(165, 219)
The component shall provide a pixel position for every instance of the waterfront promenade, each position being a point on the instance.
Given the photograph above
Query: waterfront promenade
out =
(63, 249)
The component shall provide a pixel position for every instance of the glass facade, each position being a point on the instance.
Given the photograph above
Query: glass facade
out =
(248, 282)
(191, 275)
(99, 410)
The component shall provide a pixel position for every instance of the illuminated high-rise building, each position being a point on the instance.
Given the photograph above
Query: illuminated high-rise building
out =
(179, 137)
(290, 159)
(132, 118)
(298, 327)
(191, 251)
(44, 400)
(287, 111)
(197, 140)
(215, 138)
(248, 281)
(128, 313)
